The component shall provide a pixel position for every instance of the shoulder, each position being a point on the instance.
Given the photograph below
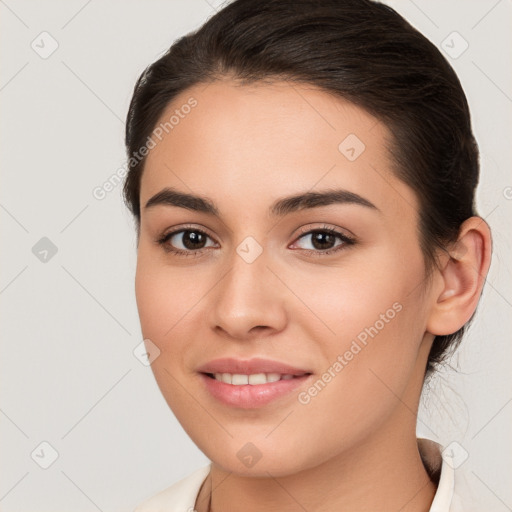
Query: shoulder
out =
(180, 497)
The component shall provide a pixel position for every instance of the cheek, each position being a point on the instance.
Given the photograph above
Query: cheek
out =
(154, 302)
(376, 314)
(374, 292)
(369, 363)
(166, 302)
(165, 296)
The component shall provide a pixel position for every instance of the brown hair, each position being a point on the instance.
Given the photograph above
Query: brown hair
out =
(359, 50)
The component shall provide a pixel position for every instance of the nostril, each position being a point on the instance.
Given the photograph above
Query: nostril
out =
(259, 327)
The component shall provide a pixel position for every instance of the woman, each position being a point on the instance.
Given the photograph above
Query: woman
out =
(302, 176)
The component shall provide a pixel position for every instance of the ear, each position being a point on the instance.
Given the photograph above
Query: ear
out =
(461, 278)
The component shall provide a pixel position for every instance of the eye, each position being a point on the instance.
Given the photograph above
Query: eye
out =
(323, 241)
(187, 242)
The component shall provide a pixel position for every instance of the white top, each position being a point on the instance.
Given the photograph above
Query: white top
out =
(181, 497)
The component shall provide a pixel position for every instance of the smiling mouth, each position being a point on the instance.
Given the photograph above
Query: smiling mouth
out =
(254, 379)
(253, 390)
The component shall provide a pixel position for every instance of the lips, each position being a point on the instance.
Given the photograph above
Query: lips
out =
(251, 383)
(250, 367)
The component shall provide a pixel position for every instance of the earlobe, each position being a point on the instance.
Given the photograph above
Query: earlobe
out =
(461, 278)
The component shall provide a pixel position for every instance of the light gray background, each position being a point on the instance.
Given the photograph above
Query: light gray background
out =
(69, 325)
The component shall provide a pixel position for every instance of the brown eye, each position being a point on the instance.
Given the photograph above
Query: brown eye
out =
(186, 241)
(191, 239)
(323, 241)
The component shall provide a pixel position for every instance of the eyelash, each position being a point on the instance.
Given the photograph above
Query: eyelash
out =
(347, 241)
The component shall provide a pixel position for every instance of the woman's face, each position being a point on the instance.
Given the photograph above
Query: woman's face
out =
(344, 307)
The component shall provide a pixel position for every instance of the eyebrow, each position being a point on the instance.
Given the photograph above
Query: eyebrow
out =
(284, 206)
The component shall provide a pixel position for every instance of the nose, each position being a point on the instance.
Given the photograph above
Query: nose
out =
(248, 301)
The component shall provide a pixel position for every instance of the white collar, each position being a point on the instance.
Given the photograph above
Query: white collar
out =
(440, 469)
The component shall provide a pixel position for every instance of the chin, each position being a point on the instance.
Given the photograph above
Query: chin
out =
(259, 458)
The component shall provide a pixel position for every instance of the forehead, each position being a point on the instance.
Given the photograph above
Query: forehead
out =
(264, 140)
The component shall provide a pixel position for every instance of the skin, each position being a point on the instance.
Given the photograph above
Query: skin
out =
(353, 446)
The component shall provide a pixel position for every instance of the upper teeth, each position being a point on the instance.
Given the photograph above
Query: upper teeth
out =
(238, 379)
